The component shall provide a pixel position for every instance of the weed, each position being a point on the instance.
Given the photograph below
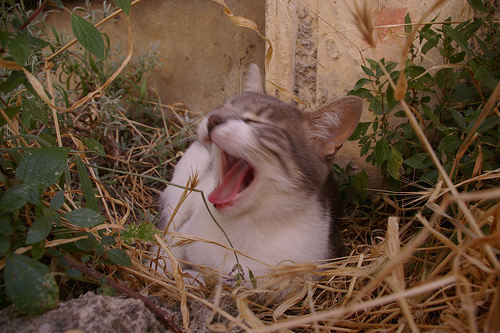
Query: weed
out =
(447, 100)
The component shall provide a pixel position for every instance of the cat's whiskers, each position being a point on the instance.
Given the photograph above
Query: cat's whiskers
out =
(256, 150)
(231, 89)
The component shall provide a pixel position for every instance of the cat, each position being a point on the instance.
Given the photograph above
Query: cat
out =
(265, 168)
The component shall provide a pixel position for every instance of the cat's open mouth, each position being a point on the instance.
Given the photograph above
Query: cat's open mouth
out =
(236, 176)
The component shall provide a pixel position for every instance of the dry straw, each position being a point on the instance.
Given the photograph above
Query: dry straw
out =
(404, 274)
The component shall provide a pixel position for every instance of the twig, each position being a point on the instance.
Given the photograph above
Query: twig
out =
(35, 14)
(160, 314)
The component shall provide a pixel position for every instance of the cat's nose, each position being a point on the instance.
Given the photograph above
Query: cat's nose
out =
(213, 121)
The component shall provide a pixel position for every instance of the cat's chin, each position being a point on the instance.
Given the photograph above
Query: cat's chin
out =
(237, 180)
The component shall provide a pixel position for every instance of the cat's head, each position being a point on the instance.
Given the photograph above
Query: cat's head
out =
(267, 151)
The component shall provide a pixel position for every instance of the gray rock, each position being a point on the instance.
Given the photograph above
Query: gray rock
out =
(202, 317)
(89, 313)
(104, 314)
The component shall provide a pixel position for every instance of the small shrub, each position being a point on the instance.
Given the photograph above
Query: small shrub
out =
(447, 100)
(49, 197)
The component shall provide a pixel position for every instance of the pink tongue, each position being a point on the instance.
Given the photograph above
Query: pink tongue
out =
(231, 184)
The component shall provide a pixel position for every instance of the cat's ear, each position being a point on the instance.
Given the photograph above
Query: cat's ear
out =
(253, 80)
(331, 125)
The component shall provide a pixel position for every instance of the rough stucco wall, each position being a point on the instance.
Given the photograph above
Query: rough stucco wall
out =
(204, 53)
(324, 50)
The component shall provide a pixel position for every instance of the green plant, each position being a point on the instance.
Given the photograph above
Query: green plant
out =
(49, 203)
(447, 100)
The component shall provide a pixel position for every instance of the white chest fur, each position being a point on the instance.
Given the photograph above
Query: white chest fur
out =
(296, 234)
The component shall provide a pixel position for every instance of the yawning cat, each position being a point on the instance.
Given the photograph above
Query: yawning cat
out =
(265, 169)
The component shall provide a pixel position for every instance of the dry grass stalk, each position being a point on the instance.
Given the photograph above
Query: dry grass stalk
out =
(363, 21)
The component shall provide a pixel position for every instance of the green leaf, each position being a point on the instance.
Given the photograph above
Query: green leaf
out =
(14, 198)
(124, 5)
(39, 230)
(459, 118)
(427, 47)
(144, 86)
(364, 149)
(463, 93)
(49, 139)
(5, 227)
(14, 80)
(374, 63)
(19, 49)
(361, 83)
(450, 144)
(84, 217)
(361, 92)
(430, 176)
(376, 106)
(43, 167)
(57, 201)
(29, 284)
(144, 232)
(478, 5)
(470, 29)
(54, 252)
(87, 244)
(37, 250)
(432, 37)
(16, 23)
(408, 21)
(419, 161)
(458, 38)
(414, 71)
(108, 240)
(253, 280)
(418, 85)
(4, 243)
(488, 123)
(93, 145)
(37, 42)
(382, 152)
(391, 65)
(88, 36)
(10, 112)
(119, 257)
(99, 249)
(88, 190)
(35, 110)
(432, 117)
(4, 36)
(367, 71)
(360, 130)
(361, 182)
(486, 77)
(394, 163)
(56, 219)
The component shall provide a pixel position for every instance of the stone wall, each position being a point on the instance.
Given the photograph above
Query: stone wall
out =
(204, 53)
